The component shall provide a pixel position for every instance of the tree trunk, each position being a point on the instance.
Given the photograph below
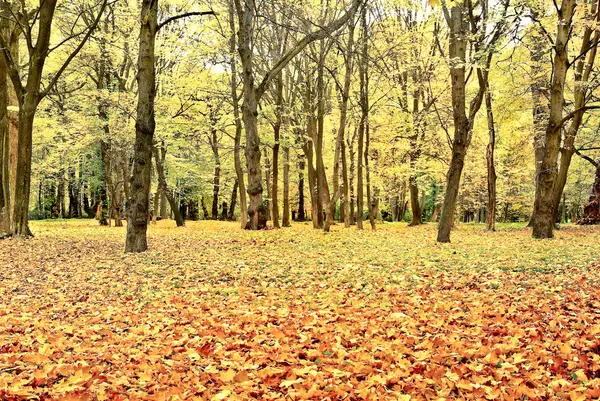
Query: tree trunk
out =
(352, 213)
(540, 103)
(4, 144)
(301, 207)
(239, 172)
(162, 183)
(155, 206)
(233, 200)
(341, 193)
(268, 183)
(217, 175)
(491, 169)
(581, 89)
(286, 188)
(137, 224)
(163, 205)
(344, 191)
(318, 142)
(544, 211)
(23, 172)
(462, 129)
(414, 201)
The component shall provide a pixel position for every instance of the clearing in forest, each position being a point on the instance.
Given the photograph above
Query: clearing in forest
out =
(214, 312)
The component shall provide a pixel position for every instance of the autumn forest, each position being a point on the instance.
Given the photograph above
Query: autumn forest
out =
(303, 200)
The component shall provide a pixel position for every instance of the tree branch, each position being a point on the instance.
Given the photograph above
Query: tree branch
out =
(308, 39)
(585, 157)
(74, 53)
(184, 15)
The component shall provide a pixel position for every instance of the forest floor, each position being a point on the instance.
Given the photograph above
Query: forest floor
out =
(214, 312)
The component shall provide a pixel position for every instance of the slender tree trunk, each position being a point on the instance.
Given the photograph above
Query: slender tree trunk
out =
(344, 204)
(301, 207)
(233, 200)
(341, 133)
(268, 183)
(323, 186)
(276, 136)
(462, 128)
(137, 224)
(583, 69)
(217, 175)
(491, 168)
(352, 213)
(239, 172)
(162, 183)
(155, 206)
(286, 188)
(4, 144)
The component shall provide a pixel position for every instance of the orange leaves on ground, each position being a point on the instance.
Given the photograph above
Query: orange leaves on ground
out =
(215, 313)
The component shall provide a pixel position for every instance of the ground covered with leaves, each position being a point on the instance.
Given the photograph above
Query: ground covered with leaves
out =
(213, 312)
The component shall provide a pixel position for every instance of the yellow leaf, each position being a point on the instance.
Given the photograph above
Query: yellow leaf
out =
(222, 395)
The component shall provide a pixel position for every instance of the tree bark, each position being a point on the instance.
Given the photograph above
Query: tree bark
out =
(285, 221)
(491, 168)
(352, 213)
(340, 149)
(214, 144)
(276, 137)
(145, 124)
(301, 207)
(233, 200)
(239, 172)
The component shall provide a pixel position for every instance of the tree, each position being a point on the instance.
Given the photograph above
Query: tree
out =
(464, 26)
(253, 93)
(31, 93)
(139, 203)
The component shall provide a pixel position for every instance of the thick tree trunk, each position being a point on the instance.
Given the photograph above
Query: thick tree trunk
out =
(540, 104)
(414, 201)
(137, 224)
(250, 112)
(543, 224)
(163, 205)
(491, 168)
(23, 173)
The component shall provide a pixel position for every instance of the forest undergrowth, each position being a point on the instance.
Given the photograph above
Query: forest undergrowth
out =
(214, 312)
